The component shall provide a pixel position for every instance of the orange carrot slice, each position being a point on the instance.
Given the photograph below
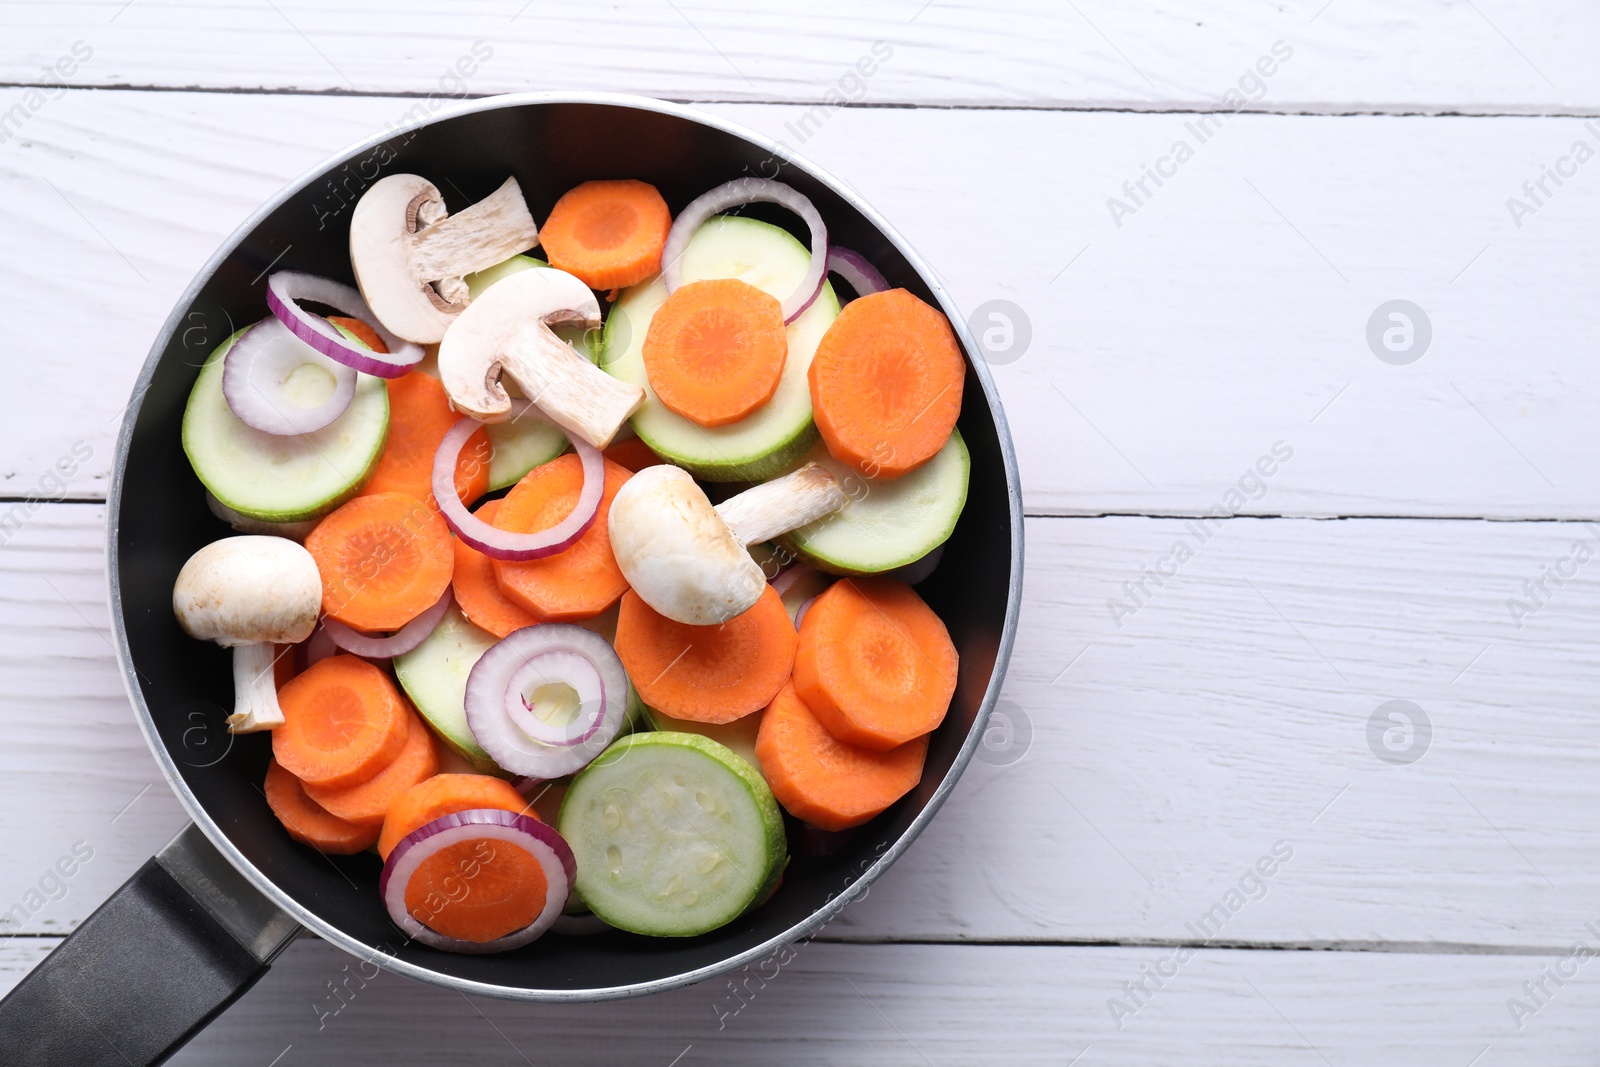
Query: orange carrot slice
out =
(886, 383)
(384, 560)
(344, 721)
(477, 590)
(706, 673)
(715, 350)
(608, 233)
(632, 455)
(307, 822)
(580, 582)
(446, 794)
(367, 803)
(478, 890)
(875, 664)
(419, 417)
(827, 782)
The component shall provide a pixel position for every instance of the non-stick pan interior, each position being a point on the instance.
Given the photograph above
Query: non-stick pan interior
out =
(186, 685)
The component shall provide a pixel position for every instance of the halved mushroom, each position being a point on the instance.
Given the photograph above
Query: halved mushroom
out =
(410, 254)
(247, 593)
(688, 560)
(508, 329)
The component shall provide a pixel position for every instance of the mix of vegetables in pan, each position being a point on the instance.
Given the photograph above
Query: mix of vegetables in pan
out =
(557, 583)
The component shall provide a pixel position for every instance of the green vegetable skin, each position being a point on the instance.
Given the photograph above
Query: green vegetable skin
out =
(674, 834)
(767, 442)
(434, 676)
(282, 478)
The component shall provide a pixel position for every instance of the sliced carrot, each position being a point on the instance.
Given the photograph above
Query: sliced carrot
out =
(875, 664)
(478, 889)
(446, 794)
(477, 590)
(706, 673)
(580, 582)
(826, 782)
(608, 233)
(633, 455)
(364, 333)
(715, 350)
(309, 823)
(344, 721)
(384, 560)
(886, 383)
(419, 417)
(368, 802)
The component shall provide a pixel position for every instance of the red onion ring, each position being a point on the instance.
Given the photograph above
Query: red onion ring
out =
(504, 544)
(736, 193)
(918, 570)
(855, 269)
(789, 575)
(256, 369)
(567, 668)
(491, 681)
(800, 614)
(286, 288)
(319, 646)
(398, 643)
(540, 840)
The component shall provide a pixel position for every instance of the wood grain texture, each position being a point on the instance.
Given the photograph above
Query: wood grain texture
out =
(1351, 55)
(918, 1005)
(1151, 766)
(1228, 313)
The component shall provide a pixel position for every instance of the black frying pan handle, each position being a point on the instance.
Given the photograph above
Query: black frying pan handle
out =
(174, 946)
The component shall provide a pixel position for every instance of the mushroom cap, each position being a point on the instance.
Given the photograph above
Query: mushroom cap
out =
(473, 350)
(247, 589)
(382, 228)
(676, 551)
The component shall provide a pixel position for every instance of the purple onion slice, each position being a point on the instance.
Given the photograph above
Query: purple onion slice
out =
(265, 374)
(857, 272)
(737, 193)
(503, 544)
(398, 643)
(493, 684)
(496, 829)
(285, 290)
(557, 668)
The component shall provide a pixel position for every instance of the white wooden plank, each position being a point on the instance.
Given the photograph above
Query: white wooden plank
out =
(1166, 756)
(921, 1004)
(1167, 355)
(1353, 55)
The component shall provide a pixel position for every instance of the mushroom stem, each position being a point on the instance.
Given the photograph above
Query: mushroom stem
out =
(476, 238)
(255, 690)
(783, 504)
(569, 390)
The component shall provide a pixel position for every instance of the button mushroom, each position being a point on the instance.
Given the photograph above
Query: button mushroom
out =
(246, 593)
(688, 560)
(508, 329)
(409, 254)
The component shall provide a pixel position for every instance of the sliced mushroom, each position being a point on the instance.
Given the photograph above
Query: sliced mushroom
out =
(248, 593)
(688, 560)
(409, 254)
(508, 329)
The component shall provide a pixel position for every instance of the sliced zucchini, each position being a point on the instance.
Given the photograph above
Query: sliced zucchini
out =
(762, 444)
(282, 478)
(434, 676)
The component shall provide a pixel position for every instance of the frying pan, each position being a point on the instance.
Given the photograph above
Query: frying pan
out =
(202, 921)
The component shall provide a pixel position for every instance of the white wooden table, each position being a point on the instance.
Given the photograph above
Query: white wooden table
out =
(1176, 339)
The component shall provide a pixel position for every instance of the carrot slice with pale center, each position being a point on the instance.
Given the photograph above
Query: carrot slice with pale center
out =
(886, 383)
(419, 417)
(478, 890)
(715, 350)
(446, 794)
(309, 823)
(826, 782)
(368, 802)
(344, 721)
(477, 590)
(584, 579)
(607, 233)
(384, 560)
(875, 664)
(707, 674)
